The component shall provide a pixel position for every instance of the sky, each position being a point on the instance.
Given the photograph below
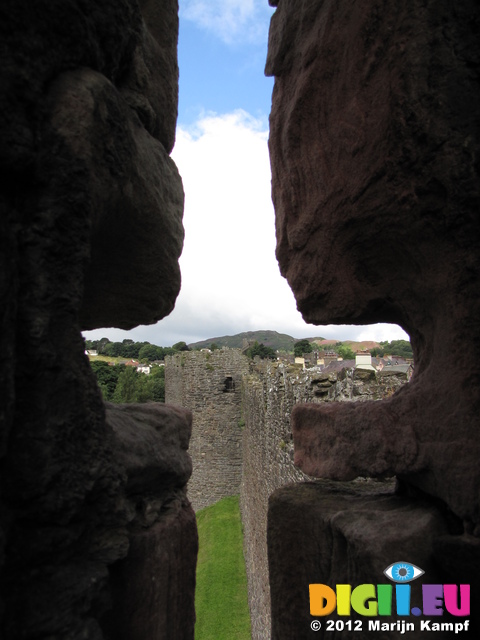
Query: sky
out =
(230, 277)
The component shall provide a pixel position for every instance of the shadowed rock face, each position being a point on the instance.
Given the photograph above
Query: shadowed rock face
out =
(90, 235)
(88, 114)
(374, 149)
(374, 136)
(343, 533)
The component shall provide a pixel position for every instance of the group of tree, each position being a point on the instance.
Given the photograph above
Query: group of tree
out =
(259, 349)
(401, 348)
(344, 351)
(302, 347)
(120, 383)
(129, 349)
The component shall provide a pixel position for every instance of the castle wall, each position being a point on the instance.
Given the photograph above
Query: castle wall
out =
(268, 398)
(269, 395)
(209, 384)
(242, 439)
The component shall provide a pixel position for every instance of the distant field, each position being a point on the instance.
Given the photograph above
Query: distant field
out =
(221, 592)
(115, 359)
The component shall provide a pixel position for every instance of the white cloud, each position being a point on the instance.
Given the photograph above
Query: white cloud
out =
(381, 332)
(233, 21)
(229, 271)
(230, 277)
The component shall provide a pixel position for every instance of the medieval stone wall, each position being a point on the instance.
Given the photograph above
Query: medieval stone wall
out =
(242, 439)
(268, 398)
(270, 393)
(210, 385)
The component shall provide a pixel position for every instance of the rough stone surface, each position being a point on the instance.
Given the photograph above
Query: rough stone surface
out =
(245, 434)
(210, 386)
(338, 533)
(91, 127)
(151, 601)
(98, 148)
(153, 586)
(270, 393)
(374, 144)
(374, 135)
(90, 234)
(152, 441)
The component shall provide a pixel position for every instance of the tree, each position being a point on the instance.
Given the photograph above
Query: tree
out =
(143, 392)
(181, 346)
(97, 345)
(126, 390)
(156, 384)
(130, 349)
(261, 350)
(316, 346)
(345, 352)
(401, 348)
(113, 349)
(301, 347)
(102, 343)
(151, 352)
(107, 377)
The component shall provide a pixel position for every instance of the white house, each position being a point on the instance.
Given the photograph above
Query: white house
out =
(144, 368)
(363, 360)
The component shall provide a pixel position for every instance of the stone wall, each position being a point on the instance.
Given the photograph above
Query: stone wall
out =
(268, 398)
(209, 384)
(270, 393)
(374, 143)
(93, 501)
(242, 438)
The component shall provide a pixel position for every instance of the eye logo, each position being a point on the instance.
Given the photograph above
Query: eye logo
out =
(403, 572)
(377, 600)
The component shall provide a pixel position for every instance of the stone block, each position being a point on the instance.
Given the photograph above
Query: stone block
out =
(153, 588)
(373, 140)
(337, 533)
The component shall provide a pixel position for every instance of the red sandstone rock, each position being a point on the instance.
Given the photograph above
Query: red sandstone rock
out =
(90, 234)
(151, 442)
(105, 161)
(374, 135)
(337, 533)
(153, 587)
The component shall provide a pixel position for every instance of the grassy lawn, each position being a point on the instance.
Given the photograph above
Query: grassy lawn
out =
(221, 593)
(114, 359)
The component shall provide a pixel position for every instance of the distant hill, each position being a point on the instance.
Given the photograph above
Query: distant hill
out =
(275, 340)
(322, 342)
(355, 346)
(366, 344)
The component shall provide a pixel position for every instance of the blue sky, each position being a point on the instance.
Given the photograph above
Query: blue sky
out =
(230, 278)
(221, 76)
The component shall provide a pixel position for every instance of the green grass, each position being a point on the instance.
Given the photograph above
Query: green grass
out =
(221, 592)
(115, 359)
